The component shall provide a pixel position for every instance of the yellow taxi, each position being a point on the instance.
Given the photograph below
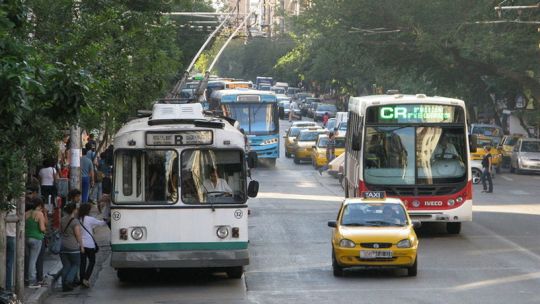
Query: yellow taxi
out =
(303, 144)
(318, 154)
(374, 231)
(293, 132)
(496, 154)
(507, 146)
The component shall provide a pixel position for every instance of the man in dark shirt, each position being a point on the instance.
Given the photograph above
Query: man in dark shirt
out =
(486, 171)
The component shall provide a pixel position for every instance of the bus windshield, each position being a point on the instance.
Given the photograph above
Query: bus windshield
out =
(408, 155)
(212, 176)
(254, 118)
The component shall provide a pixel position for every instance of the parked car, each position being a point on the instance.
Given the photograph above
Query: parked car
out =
(321, 108)
(526, 156)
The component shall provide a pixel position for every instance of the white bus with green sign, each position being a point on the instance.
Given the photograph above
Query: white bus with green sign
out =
(180, 193)
(415, 148)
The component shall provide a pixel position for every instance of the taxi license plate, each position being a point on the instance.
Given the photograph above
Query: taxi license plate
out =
(375, 254)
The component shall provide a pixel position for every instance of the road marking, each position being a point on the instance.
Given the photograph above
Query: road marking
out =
(276, 195)
(506, 177)
(498, 281)
(533, 209)
(519, 192)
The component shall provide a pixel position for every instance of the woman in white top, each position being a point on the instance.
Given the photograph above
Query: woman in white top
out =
(88, 223)
(47, 179)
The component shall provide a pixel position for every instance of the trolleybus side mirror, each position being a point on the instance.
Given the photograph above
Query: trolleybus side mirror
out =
(332, 224)
(356, 142)
(252, 160)
(473, 144)
(253, 188)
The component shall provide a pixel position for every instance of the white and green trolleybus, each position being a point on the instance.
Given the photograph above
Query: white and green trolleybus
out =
(180, 193)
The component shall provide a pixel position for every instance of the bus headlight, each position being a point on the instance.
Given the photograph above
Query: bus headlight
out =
(347, 243)
(459, 200)
(137, 233)
(451, 202)
(222, 232)
(270, 141)
(406, 243)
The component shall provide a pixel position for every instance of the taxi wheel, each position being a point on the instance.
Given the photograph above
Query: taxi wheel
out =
(498, 169)
(235, 272)
(413, 270)
(453, 227)
(296, 160)
(512, 170)
(338, 270)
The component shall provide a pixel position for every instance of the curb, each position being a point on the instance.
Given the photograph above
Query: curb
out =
(38, 296)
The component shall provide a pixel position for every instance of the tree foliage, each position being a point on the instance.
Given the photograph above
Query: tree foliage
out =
(91, 62)
(436, 47)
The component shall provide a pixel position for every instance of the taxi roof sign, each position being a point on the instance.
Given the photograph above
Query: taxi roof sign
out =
(374, 195)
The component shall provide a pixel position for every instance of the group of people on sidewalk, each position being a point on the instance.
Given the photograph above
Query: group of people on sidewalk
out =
(44, 209)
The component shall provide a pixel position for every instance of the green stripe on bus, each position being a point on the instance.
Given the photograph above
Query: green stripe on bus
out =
(179, 246)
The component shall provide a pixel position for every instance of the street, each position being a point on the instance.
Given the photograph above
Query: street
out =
(495, 259)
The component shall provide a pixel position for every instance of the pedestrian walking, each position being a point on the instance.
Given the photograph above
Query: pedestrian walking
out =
(293, 106)
(34, 233)
(48, 177)
(486, 171)
(72, 247)
(39, 262)
(330, 151)
(87, 176)
(325, 119)
(88, 223)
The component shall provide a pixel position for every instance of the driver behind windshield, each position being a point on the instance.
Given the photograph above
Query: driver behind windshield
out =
(216, 184)
(445, 149)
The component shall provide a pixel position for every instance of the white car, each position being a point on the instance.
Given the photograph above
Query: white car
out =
(526, 156)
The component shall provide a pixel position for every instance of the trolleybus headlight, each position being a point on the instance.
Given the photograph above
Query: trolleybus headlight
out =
(451, 202)
(347, 243)
(137, 233)
(416, 203)
(459, 200)
(123, 234)
(406, 243)
(222, 232)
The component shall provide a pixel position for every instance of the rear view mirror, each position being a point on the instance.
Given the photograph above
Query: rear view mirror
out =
(473, 144)
(252, 160)
(314, 147)
(253, 188)
(332, 224)
(416, 224)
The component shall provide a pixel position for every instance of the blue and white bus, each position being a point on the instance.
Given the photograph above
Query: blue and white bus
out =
(257, 113)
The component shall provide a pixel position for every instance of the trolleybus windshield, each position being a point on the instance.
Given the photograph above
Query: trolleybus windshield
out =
(212, 176)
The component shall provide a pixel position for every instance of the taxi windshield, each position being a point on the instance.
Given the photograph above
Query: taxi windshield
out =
(293, 132)
(308, 136)
(376, 214)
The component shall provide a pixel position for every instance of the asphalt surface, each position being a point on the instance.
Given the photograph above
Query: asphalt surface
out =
(495, 259)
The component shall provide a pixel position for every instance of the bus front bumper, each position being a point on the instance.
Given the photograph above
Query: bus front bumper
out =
(462, 213)
(180, 259)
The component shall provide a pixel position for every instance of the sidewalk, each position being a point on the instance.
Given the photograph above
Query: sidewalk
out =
(52, 267)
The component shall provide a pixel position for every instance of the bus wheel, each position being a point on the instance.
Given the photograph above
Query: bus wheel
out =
(124, 275)
(235, 272)
(413, 270)
(453, 227)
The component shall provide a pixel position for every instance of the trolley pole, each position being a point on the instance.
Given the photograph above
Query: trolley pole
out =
(75, 163)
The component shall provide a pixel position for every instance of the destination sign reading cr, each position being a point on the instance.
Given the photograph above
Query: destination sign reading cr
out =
(180, 138)
(415, 113)
(248, 98)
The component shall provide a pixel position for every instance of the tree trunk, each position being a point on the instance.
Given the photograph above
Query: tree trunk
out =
(19, 251)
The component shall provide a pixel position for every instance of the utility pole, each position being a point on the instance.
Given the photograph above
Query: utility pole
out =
(75, 163)
(19, 247)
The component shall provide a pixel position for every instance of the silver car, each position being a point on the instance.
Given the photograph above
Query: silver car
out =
(526, 156)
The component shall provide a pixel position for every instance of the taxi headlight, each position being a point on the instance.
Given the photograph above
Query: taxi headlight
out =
(406, 243)
(222, 232)
(137, 233)
(347, 243)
